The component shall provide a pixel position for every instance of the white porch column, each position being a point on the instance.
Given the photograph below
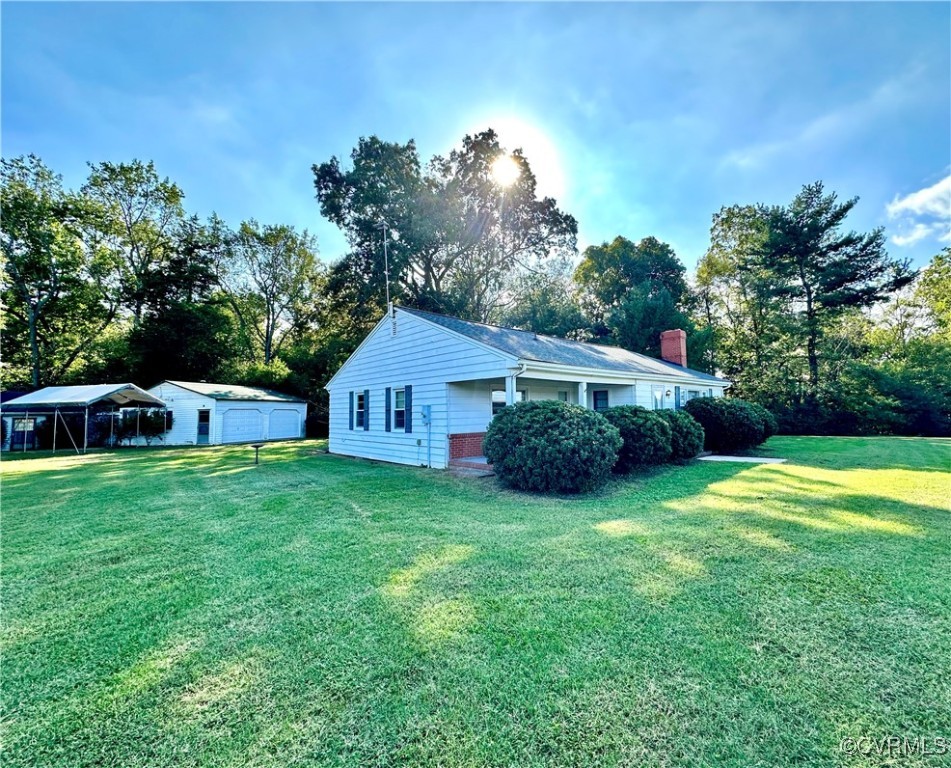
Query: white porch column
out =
(510, 390)
(583, 394)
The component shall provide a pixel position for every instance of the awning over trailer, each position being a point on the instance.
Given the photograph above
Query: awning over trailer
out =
(85, 396)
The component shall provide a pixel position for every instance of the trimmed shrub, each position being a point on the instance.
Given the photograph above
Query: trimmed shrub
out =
(752, 412)
(770, 424)
(644, 434)
(729, 424)
(686, 435)
(551, 447)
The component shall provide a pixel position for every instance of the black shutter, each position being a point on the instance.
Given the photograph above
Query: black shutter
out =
(711, 391)
(366, 410)
(677, 398)
(408, 395)
(351, 410)
(388, 396)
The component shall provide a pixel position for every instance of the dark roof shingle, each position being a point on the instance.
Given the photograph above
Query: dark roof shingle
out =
(235, 392)
(526, 345)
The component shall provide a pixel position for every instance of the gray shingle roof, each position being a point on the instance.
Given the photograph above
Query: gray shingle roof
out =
(529, 346)
(234, 392)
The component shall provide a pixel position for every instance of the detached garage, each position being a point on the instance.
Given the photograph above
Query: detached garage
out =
(211, 414)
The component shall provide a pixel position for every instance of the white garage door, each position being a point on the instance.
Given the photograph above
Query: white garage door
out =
(239, 425)
(285, 422)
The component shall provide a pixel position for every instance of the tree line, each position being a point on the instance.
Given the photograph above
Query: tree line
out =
(116, 281)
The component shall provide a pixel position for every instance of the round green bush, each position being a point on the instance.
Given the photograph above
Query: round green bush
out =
(686, 435)
(752, 413)
(729, 424)
(551, 447)
(770, 423)
(645, 436)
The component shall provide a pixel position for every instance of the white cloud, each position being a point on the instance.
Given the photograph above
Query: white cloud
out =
(918, 232)
(934, 200)
(925, 213)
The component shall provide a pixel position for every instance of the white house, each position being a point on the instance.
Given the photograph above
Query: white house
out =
(422, 388)
(209, 414)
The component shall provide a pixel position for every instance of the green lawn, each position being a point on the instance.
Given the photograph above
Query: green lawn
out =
(185, 608)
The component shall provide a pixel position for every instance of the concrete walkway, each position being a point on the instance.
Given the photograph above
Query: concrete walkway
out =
(744, 459)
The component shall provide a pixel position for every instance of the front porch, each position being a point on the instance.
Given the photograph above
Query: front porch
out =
(473, 404)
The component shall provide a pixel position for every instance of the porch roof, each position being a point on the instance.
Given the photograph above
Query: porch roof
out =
(534, 347)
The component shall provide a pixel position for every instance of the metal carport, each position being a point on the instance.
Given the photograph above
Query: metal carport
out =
(55, 401)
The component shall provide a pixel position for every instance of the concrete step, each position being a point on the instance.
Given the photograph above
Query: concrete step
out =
(478, 463)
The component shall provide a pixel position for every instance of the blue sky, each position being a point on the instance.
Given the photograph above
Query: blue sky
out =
(642, 119)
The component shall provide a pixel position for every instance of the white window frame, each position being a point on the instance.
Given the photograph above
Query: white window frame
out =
(521, 396)
(359, 412)
(396, 426)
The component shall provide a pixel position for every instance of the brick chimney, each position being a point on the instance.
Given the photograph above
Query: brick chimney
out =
(673, 347)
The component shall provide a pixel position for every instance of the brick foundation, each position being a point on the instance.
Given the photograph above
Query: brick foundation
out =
(465, 444)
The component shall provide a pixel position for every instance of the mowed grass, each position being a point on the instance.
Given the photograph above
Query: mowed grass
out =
(185, 608)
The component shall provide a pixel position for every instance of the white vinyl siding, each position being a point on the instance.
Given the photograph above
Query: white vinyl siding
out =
(184, 405)
(424, 356)
(455, 377)
(275, 419)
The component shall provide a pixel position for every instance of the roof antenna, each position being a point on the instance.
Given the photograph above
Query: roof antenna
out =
(386, 265)
(386, 274)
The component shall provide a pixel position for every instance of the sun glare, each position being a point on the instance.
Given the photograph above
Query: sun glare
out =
(540, 151)
(505, 170)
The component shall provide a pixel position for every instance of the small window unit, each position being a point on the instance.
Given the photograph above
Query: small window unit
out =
(399, 409)
(360, 409)
(498, 399)
(563, 396)
(691, 394)
(599, 400)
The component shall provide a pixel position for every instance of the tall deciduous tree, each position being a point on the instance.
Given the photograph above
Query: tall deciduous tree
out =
(608, 271)
(186, 331)
(56, 287)
(271, 274)
(933, 293)
(751, 341)
(456, 239)
(141, 215)
(545, 303)
(494, 232)
(632, 292)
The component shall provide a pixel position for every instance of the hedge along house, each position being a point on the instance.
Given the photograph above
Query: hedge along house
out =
(422, 388)
(211, 414)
